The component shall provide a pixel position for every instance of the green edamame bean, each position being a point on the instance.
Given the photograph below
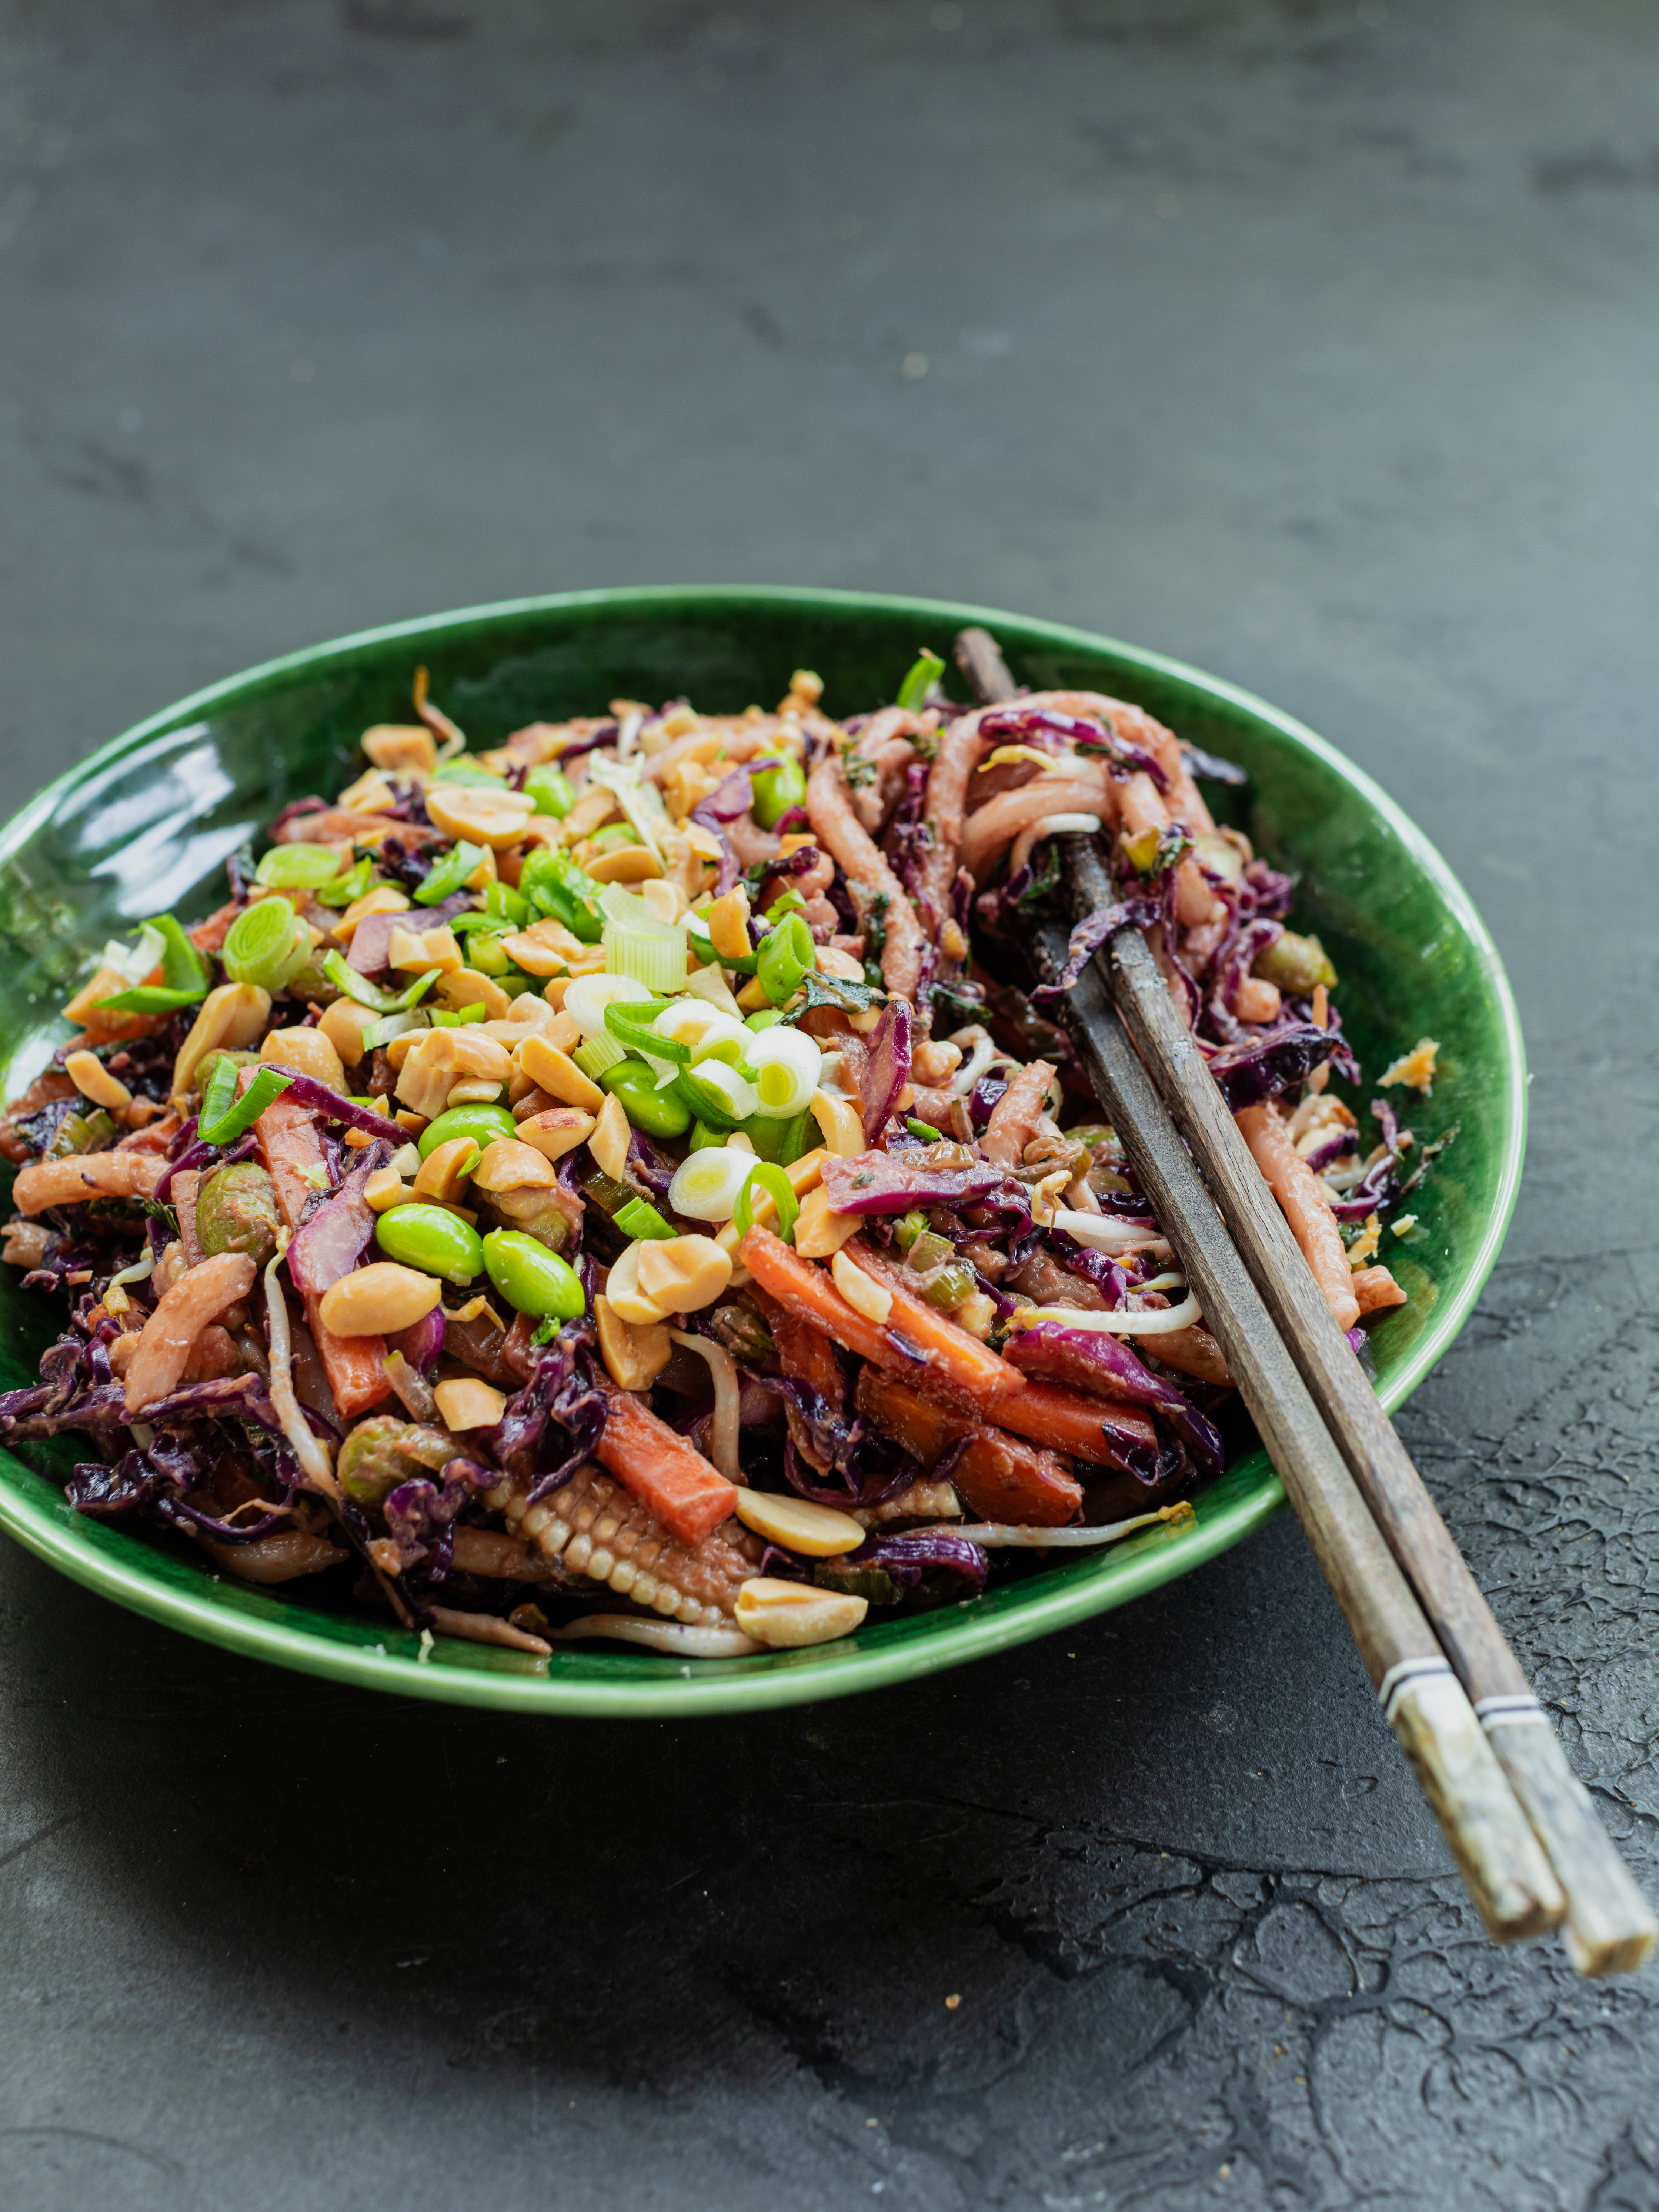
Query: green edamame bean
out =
(533, 1279)
(776, 790)
(483, 1124)
(659, 1113)
(431, 1238)
(550, 789)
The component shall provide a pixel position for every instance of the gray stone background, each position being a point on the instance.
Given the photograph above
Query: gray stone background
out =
(1313, 343)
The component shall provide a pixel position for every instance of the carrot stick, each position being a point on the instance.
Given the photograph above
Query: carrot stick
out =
(1002, 1478)
(688, 1496)
(293, 1153)
(1095, 1429)
(1303, 1202)
(930, 1344)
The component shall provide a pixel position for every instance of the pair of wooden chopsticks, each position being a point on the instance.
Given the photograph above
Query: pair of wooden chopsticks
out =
(1520, 1824)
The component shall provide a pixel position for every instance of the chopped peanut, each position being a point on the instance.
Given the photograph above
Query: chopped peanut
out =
(401, 745)
(861, 1291)
(93, 1080)
(343, 1024)
(820, 1232)
(495, 818)
(788, 1616)
(466, 987)
(377, 1300)
(634, 1355)
(385, 1189)
(466, 1402)
(307, 1050)
(384, 898)
(610, 1139)
(841, 1123)
(442, 1173)
(508, 1165)
(439, 1059)
(233, 1016)
(626, 864)
(797, 1524)
(728, 925)
(554, 1072)
(415, 952)
(556, 1130)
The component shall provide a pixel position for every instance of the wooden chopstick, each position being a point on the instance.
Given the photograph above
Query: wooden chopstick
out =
(1507, 1874)
(1610, 1929)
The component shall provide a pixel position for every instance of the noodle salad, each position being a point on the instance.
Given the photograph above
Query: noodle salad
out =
(623, 1183)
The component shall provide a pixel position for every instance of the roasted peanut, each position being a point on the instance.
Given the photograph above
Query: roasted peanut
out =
(468, 1403)
(231, 1017)
(840, 1123)
(415, 952)
(556, 1130)
(552, 1070)
(507, 1164)
(401, 744)
(378, 1299)
(610, 1140)
(818, 1531)
(93, 1080)
(343, 1024)
(308, 1051)
(474, 811)
(819, 1232)
(728, 925)
(861, 1291)
(788, 1616)
(442, 1173)
(384, 898)
(633, 1354)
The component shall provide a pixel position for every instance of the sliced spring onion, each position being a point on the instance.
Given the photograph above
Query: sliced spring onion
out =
(347, 979)
(135, 960)
(778, 1187)
(391, 1025)
(185, 974)
(587, 997)
(346, 889)
(639, 1218)
(924, 674)
(707, 1184)
(599, 1053)
(652, 952)
(702, 1031)
(728, 1401)
(926, 1130)
(266, 945)
(445, 1018)
(788, 1068)
(224, 1116)
(724, 1088)
(299, 868)
(448, 875)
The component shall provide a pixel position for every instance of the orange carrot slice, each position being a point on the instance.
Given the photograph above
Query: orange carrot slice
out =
(1089, 1428)
(665, 1473)
(1002, 1477)
(289, 1146)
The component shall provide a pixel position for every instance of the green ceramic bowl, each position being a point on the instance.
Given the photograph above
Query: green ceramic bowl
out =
(146, 825)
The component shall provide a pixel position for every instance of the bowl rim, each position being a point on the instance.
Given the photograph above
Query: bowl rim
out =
(670, 1689)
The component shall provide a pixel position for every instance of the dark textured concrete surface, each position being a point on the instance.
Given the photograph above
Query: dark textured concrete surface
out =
(1313, 343)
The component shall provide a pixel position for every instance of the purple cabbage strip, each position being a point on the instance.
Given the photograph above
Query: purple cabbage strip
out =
(882, 1183)
(1087, 938)
(561, 1393)
(420, 1516)
(1053, 1351)
(650, 1164)
(295, 808)
(798, 863)
(1272, 1060)
(306, 1091)
(907, 1558)
(422, 1342)
(332, 1241)
(888, 1067)
(982, 1102)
